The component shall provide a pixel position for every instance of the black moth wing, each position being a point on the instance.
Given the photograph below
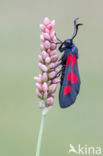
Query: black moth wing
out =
(70, 84)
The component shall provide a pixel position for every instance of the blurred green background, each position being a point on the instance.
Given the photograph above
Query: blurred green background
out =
(19, 49)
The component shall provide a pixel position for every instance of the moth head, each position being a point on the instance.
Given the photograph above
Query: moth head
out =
(68, 43)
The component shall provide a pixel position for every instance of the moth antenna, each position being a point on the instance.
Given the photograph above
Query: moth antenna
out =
(58, 38)
(76, 28)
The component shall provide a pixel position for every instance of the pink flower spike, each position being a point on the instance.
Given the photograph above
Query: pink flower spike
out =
(42, 67)
(49, 101)
(52, 88)
(45, 87)
(48, 60)
(46, 21)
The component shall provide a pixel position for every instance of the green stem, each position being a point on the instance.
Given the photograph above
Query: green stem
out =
(40, 134)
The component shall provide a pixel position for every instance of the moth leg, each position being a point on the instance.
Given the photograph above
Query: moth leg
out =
(62, 69)
(60, 63)
(60, 72)
(61, 58)
(53, 42)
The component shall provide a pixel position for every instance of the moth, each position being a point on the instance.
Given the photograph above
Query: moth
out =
(70, 78)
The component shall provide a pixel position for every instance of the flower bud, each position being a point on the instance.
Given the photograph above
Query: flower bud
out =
(38, 93)
(53, 46)
(42, 27)
(53, 22)
(52, 74)
(50, 26)
(45, 95)
(47, 44)
(49, 51)
(46, 31)
(42, 37)
(39, 86)
(54, 39)
(54, 58)
(51, 65)
(46, 36)
(40, 77)
(47, 60)
(56, 64)
(51, 95)
(42, 67)
(49, 101)
(45, 87)
(42, 47)
(52, 34)
(56, 80)
(53, 53)
(40, 58)
(37, 79)
(44, 54)
(45, 77)
(46, 21)
(52, 88)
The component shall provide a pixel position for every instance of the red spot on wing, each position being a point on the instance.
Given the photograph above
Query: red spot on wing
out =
(67, 89)
(69, 76)
(74, 78)
(68, 60)
(74, 60)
